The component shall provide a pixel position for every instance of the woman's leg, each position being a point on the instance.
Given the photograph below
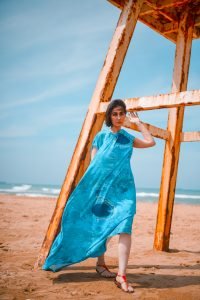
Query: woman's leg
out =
(101, 261)
(124, 247)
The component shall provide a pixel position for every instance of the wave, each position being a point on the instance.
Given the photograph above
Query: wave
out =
(143, 194)
(24, 187)
(17, 188)
(51, 191)
(180, 196)
(35, 195)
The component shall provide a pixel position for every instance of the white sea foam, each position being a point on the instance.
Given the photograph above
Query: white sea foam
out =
(185, 196)
(143, 194)
(51, 191)
(35, 195)
(180, 196)
(17, 188)
(22, 188)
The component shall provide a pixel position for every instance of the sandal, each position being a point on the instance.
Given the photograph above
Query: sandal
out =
(105, 269)
(119, 284)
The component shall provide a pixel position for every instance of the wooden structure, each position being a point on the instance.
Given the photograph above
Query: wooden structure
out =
(178, 21)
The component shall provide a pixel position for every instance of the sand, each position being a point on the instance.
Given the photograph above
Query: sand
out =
(154, 274)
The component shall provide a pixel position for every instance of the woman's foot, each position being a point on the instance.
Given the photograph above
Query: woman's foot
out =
(104, 271)
(122, 283)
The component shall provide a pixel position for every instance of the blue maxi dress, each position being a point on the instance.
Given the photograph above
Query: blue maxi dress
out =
(102, 204)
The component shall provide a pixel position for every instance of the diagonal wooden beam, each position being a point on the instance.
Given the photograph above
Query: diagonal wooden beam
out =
(177, 99)
(193, 136)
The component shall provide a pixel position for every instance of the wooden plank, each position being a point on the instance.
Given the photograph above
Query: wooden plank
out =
(156, 25)
(196, 34)
(174, 126)
(155, 131)
(159, 10)
(161, 4)
(148, 10)
(178, 99)
(197, 19)
(157, 4)
(93, 123)
(190, 136)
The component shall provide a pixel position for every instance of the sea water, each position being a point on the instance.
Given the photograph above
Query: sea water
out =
(188, 196)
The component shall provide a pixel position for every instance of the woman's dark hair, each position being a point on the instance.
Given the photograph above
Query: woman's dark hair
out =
(111, 105)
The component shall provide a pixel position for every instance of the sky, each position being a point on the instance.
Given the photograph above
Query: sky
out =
(51, 54)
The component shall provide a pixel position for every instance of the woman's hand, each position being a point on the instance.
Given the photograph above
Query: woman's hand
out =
(148, 141)
(133, 117)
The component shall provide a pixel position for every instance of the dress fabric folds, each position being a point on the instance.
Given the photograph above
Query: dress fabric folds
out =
(102, 204)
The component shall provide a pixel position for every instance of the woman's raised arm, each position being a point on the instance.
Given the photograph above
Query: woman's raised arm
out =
(148, 140)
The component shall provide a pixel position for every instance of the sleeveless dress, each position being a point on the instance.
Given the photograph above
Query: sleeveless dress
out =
(102, 204)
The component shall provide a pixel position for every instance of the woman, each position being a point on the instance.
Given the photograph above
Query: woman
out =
(103, 203)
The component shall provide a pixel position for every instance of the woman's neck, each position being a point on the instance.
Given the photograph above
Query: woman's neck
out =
(115, 129)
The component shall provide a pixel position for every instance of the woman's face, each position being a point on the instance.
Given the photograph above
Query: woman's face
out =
(118, 116)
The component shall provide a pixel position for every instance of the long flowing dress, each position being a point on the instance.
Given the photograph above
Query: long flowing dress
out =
(102, 204)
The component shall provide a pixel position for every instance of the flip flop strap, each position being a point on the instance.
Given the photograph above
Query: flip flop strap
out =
(104, 266)
(123, 276)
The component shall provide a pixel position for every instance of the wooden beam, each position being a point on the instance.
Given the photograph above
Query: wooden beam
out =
(178, 99)
(196, 34)
(197, 19)
(160, 4)
(157, 4)
(170, 27)
(155, 131)
(190, 136)
(146, 10)
(93, 123)
(174, 126)
(151, 22)
(159, 10)
(117, 3)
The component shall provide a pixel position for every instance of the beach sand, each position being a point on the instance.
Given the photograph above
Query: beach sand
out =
(154, 274)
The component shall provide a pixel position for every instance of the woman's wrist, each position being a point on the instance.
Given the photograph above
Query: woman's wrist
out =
(138, 122)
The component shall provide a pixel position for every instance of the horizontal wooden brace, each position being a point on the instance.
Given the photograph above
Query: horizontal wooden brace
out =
(155, 131)
(187, 98)
(193, 136)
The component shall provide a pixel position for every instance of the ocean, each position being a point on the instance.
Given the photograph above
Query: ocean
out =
(48, 190)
